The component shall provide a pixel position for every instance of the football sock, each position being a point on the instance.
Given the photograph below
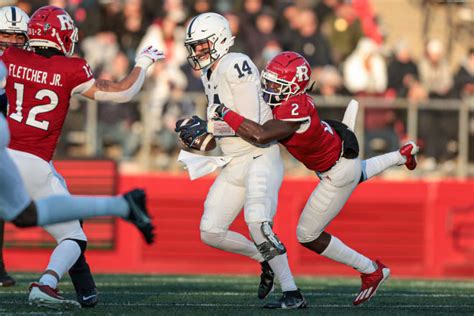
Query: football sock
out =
(281, 268)
(233, 242)
(62, 259)
(339, 252)
(279, 264)
(51, 209)
(375, 165)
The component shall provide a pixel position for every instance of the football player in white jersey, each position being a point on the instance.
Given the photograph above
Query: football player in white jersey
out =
(13, 31)
(253, 177)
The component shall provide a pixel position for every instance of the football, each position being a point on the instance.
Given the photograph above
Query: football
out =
(204, 142)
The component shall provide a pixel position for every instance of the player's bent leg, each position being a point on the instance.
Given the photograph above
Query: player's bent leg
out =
(223, 203)
(324, 204)
(376, 165)
(274, 252)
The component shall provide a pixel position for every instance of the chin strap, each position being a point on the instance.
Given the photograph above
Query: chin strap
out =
(310, 88)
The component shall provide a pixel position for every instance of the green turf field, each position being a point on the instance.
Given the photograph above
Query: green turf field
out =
(230, 295)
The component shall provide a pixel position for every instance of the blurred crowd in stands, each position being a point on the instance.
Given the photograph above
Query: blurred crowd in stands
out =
(341, 39)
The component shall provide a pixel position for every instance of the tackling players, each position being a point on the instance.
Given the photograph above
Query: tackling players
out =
(327, 147)
(39, 87)
(253, 177)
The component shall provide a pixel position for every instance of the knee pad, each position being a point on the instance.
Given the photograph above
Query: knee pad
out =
(268, 244)
(212, 239)
(305, 235)
(82, 244)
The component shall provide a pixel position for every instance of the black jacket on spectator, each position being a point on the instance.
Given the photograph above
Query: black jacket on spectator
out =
(396, 72)
(315, 49)
(461, 80)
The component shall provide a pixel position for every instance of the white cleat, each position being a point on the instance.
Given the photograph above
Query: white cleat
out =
(45, 296)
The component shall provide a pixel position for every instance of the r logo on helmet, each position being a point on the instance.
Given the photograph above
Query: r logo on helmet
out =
(302, 73)
(66, 22)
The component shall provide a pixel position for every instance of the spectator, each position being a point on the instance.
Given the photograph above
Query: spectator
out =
(239, 44)
(118, 123)
(438, 129)
(464, 78)
(264, 32)
(325, 8)
(201, 6)
(288, 25)
(434, 71)
(365, 70)
(133, 28)
(248, 17)
(329, 81)
(365, 74)
(343, 30)
(311, 43)
(403, 78)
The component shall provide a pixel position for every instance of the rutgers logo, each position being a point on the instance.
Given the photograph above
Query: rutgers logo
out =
(302, 73)
(66, 22)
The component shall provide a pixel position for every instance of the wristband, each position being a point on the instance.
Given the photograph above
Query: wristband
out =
(233, 119)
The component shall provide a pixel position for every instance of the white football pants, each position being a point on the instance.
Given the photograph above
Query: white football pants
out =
(42, 180)
(252, 182)
(325, 202)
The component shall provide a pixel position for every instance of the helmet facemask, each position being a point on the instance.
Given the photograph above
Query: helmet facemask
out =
(275, 91)
(195, 58)
(4, 44)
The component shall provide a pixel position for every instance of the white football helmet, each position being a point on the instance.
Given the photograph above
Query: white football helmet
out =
(211, 28)
(13, 20)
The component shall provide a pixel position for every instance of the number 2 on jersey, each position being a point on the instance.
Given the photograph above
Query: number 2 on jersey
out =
(43, 108)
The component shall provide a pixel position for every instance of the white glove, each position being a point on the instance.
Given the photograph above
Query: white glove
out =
(148, 56)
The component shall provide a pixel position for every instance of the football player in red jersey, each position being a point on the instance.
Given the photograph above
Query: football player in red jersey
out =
(39, 87)
(327, 147)
(13, 31)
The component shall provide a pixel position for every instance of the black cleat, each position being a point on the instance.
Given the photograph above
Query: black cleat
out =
(267, 277)
(138, 216)
(6, 280)
(289, 300)
(88, 298)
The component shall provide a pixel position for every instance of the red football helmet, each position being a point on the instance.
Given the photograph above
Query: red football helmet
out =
(286, 75)
(52, 27)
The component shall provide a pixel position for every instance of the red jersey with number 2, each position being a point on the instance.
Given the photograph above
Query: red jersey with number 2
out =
(315, 143)
(39, 90)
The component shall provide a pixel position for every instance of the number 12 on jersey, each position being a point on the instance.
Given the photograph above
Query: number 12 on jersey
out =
(42, 108)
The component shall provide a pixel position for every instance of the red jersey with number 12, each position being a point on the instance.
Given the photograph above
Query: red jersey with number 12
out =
(315, 144)
(39, 90)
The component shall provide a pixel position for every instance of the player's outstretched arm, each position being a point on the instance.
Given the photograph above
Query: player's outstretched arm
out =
(272, 130)
(125, 89)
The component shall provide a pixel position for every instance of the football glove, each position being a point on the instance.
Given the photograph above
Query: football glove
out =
(191, 130)
(217, 112)
(148, 56)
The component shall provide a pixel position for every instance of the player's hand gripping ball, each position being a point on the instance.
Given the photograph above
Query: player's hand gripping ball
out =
(193, 134)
